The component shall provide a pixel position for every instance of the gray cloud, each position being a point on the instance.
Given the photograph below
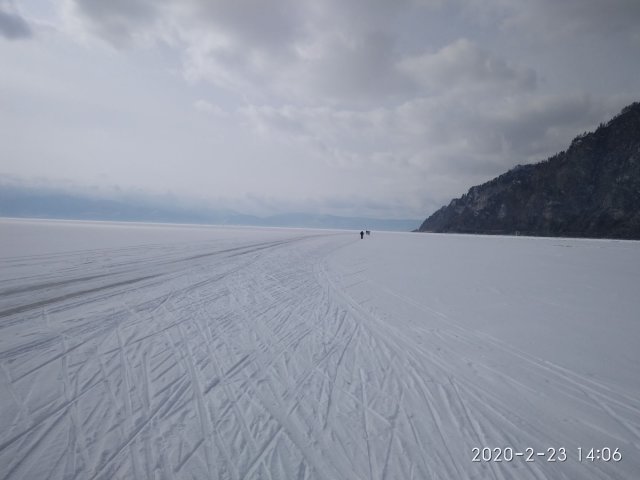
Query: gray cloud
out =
(464, 64)
(416, 99)
(284, 47)
(255, 24)
(13, 26)
(444, 141)
(571, 17)
(353, 70)
(118, 21)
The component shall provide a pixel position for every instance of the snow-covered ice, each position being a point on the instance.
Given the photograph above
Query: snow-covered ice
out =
(151, 351)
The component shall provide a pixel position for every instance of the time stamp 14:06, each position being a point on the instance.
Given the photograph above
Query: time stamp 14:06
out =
(551, 454)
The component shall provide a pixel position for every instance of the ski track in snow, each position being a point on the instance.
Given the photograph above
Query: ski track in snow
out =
(257, 360)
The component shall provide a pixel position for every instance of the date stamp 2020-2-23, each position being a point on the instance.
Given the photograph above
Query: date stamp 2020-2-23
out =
(551, 454)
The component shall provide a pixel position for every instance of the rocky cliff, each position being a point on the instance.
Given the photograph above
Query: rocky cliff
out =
(590, 190)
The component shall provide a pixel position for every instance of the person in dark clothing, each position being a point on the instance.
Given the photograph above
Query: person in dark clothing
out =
(361, 235)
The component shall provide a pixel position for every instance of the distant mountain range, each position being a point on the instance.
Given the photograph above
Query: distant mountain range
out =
(27, 202)
(590, 190)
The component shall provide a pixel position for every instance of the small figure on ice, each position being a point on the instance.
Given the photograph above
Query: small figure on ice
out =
(361, 234)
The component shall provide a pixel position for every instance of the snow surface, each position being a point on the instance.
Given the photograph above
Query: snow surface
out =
(155, 351)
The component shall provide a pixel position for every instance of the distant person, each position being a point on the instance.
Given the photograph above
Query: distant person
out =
(368, 232)
(361, 234)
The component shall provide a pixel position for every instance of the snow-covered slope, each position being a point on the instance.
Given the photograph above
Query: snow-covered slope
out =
(131, 351)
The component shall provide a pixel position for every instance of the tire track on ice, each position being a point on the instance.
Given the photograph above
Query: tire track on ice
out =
(71, 295)
(77, 438)
(138, 355)
(253, 382)
(221, 444)
(196, 386)
(222, 381)
(365, 422)
(58, 414)
(588, 386)
(566, 383)
(126, 398)
(171, 400)
(385, 467)
(34, 447)
(429, 400)
(304, 445)
(41, 303)
(332, 379)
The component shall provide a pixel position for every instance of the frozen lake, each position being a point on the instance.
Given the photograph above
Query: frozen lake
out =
(155, 351)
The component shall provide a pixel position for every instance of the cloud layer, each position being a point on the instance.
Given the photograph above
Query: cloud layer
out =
(365, 107)
(12, 25)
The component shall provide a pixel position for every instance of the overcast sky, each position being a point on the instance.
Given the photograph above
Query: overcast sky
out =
(385, 108)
